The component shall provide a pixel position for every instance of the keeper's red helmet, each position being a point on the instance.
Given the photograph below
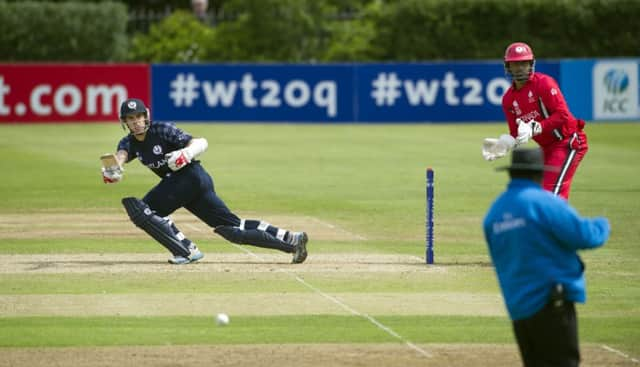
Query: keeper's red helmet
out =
(518, 51)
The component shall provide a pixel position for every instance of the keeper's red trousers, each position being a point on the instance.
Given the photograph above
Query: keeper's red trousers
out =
(566, 155)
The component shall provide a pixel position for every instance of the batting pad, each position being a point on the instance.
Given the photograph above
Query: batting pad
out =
(253, 237)
(157, 227)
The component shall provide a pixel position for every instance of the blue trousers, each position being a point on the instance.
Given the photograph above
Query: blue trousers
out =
(190, 188)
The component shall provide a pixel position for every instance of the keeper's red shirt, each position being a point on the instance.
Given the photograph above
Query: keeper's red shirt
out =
(540, 99)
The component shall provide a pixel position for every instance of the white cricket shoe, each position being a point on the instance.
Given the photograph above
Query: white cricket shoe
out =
(194, 256)
(299, 241)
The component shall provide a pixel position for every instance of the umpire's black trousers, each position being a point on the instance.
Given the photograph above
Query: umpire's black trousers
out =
(550, 337)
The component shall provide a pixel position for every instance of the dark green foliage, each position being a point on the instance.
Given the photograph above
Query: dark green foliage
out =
(271, 30)
(415, 30)
(618, 19)
(178, 38)
(65, 31)
(321, 30)
(351, 39)
(480, 29)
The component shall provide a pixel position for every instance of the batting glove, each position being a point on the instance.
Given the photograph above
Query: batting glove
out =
(112, 174)
(178, 159)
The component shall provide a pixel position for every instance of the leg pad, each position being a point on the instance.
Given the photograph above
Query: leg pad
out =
(157, 227)
(253, 237)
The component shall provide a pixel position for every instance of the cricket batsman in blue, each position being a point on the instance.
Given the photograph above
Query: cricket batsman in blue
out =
(171, 154)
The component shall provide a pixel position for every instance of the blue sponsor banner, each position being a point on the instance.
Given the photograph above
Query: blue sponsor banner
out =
(616, 89)
(434, 92)
(602, 89)
(576, 86)
(431, 92)
(333, 93)
(253, 92)
(439, 92)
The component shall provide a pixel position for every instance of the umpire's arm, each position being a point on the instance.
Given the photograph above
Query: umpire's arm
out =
(572, 230)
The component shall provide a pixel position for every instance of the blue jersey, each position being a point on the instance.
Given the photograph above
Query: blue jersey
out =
(161, 138)
(533, 238)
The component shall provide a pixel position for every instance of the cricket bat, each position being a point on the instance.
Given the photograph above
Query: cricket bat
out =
(109, 160)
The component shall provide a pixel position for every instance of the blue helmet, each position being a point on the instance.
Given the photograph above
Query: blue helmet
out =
(134, 106)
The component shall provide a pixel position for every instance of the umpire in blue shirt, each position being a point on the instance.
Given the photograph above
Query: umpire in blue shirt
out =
(533, 238)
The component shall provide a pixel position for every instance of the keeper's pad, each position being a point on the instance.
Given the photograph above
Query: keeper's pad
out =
(253, 237)
(157, 227)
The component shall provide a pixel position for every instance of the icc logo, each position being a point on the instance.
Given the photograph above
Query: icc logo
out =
(616, 83)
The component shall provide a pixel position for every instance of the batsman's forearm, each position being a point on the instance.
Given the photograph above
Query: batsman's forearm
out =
(122, 157)
(197, 146)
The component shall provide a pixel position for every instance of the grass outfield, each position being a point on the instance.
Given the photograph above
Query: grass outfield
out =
(77, 274)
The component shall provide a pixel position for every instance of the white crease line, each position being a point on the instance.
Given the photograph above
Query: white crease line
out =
(346, 307)
(326, 224)
(626, 356)
(371, 319)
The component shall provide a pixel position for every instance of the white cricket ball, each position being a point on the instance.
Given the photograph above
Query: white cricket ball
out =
(222, 319)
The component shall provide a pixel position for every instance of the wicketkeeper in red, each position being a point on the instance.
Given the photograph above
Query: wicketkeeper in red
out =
(535, 109)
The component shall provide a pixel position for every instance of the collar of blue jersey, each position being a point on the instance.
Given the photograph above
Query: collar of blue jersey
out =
(523, 183)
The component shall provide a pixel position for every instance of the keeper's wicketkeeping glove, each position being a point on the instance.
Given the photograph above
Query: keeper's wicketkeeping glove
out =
(493, 149)
(527, 130)
(536, 127)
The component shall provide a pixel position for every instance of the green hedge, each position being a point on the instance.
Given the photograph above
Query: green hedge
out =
(272, 30)
(312, 30)
(63, 31)
(415, 30)
(178, 38)
(480, 29)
